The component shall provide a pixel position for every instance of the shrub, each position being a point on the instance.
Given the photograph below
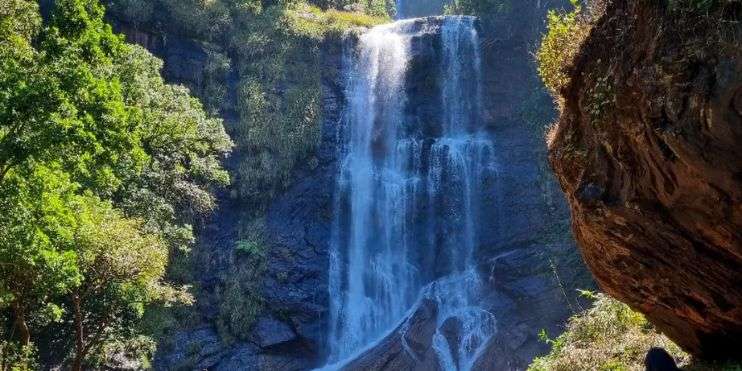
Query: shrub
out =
(241, 302)
(14, 357)
(565, 33)
(241, 297)
(135, 353)
(379, 8)
(608, 336)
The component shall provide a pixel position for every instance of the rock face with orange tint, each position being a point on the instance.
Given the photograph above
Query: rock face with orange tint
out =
(649, 152)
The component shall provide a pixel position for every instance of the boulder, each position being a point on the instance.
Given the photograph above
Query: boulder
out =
(270, 332)
(408, 347)
(648, 151)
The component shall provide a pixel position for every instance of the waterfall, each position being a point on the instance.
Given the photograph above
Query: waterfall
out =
(399, 7)
(407, 199)
(369, 272)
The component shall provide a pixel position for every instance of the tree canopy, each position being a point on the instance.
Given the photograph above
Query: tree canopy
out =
(103, 169)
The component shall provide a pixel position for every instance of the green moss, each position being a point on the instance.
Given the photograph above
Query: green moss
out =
(248, 248)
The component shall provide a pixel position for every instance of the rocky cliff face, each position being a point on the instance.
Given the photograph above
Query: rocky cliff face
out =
(529, 261)
(648, 151)
(289, 331)
(419, 8)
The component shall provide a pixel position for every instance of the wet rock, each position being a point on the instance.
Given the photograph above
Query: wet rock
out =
(452, 330)
(270, 332)
(509, 351)
(409, 347)
(244, 357)
(287, 361)
(196, 349)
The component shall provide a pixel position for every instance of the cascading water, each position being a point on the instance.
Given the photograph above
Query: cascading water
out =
(400, 5)
(369, 272)
(408, 195)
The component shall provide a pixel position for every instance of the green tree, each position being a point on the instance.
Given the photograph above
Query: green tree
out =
(58, 101)
(31, 109)
(62, 121)
(36, 257)
(184, 147)
(123, 268)
(103, 167)
(19, 18)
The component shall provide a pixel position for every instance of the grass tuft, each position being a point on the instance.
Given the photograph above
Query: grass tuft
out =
(608, 336)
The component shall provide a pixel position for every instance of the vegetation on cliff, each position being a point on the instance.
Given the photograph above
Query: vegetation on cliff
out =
(486, 8)
(565, 33)
(275, 50)
(264, 74)
(103, 168)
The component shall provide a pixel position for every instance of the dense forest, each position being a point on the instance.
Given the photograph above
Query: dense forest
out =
(183, 216)
(104, 169)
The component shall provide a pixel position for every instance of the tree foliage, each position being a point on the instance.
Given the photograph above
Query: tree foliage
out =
(184, 147)
(565, 33)
(123, 268)
(103, 169)
(36, 259)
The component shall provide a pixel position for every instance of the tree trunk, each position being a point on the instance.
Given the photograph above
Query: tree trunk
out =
(24, 334)
(79, 335)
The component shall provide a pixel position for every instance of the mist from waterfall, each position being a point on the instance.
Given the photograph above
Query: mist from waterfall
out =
(406, 221)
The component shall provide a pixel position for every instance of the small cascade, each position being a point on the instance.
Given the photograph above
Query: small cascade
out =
(408, 193)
